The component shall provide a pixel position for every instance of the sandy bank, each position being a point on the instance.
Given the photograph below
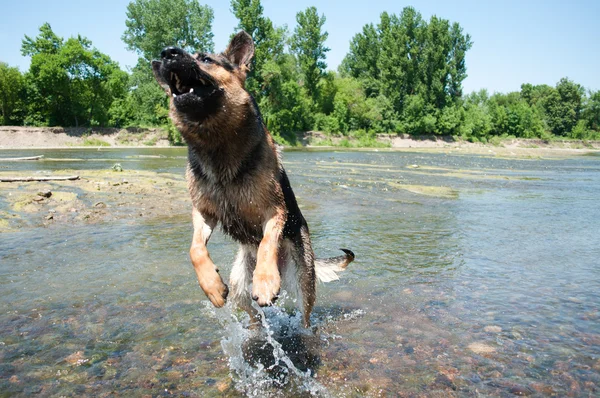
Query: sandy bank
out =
(15, 137)
(59, 137)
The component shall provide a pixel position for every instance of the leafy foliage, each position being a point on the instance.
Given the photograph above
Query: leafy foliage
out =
(155, 24)
(69, 83)
(412, 62)
(403, 74)
(12, 88)
(591, 111)
(268, 43)
(308, 45)
(563, 106)
(286, 107)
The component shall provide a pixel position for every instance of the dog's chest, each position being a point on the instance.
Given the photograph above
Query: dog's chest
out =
(238, 207)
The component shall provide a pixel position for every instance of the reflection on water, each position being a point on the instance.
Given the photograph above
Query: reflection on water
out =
(493, 290)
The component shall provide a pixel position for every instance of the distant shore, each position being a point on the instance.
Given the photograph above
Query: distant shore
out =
(18, 137)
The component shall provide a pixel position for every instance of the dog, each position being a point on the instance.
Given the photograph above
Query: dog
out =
(236, 179)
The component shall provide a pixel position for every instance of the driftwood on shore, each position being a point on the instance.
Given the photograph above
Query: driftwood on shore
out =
(19, 159)
(38, 178)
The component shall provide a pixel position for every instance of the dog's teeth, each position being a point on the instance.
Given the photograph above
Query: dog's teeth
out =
(191, 90)
(174, 95)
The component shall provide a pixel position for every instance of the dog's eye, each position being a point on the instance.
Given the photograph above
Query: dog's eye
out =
(207, 60)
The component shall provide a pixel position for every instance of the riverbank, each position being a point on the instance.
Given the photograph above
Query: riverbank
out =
(17, 137)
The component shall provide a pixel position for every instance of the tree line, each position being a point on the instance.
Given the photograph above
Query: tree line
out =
(403, 74)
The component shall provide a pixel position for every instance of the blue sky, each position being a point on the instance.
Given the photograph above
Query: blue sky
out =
(515, 42)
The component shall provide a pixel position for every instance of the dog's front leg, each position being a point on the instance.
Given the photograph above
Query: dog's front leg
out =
(266, 281)
(208, 275)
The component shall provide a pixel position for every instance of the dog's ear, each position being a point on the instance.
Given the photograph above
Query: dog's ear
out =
(158, 76)
(240, 50)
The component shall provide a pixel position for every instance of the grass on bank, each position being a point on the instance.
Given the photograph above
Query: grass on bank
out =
(90, 141)
(354, 139)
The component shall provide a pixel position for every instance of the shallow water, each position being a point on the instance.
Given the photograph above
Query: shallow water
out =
(474, 275)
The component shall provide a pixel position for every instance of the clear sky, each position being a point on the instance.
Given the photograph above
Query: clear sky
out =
(515, 41)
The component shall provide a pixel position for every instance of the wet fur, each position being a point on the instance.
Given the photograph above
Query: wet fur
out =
(236, 179)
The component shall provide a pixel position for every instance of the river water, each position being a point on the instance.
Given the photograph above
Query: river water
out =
(473, 275)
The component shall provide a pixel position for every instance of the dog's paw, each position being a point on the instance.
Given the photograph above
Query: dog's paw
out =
(265, 288)
(215, 289)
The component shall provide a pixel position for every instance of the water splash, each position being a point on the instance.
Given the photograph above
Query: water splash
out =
(278, 359)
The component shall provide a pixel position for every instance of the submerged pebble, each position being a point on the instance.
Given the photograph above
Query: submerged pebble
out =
(481, 348)
(492, 329)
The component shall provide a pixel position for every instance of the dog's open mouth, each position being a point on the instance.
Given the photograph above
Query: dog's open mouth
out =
(183, 84)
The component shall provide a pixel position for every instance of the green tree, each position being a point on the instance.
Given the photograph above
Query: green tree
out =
(45, 43)
(12, 87)
(588, 126)
(361, 60)
(155, 24)
(435, 69)
(326, 91)
(512, 115)
(460, 44)
(308, 43)
(381, 116)
(48, 83)
(418, 66)
(268, 42)
(350, 107)
(562, 106)
(417, 116)
(146, 104)
(591, 111)
(274, 75)
(402, 42)
(535, 95)
(476, 119)
(69, 82)
(286, 107)
(96, 81)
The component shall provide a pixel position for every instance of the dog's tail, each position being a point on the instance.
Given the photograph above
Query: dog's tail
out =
(327, 268)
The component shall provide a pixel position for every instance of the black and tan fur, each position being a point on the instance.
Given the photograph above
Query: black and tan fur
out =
(236, 178)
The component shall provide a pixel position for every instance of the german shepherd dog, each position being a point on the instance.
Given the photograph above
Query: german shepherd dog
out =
(236, 178)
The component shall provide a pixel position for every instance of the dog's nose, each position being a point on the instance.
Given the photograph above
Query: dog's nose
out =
(170, 52)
